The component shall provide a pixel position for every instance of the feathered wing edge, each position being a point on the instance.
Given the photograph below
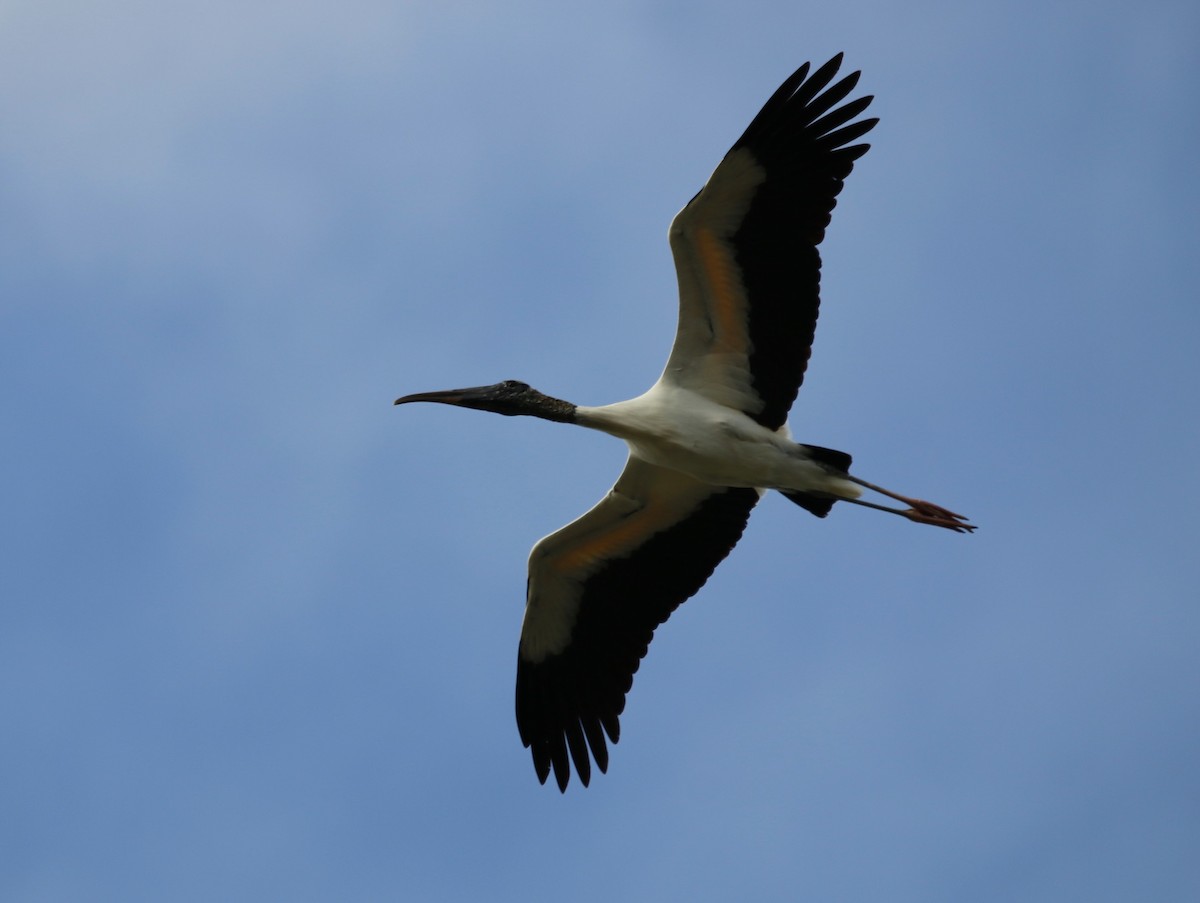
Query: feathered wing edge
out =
(746, 246)
(598, 588)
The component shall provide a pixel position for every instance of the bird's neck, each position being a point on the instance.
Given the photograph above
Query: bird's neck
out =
(549, 408)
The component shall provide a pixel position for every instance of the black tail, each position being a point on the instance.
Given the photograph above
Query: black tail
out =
(820, 505)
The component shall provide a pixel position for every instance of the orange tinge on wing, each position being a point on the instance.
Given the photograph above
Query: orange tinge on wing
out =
(725, 292)
(617, 540)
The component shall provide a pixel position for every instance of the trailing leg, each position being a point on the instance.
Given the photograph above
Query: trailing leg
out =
(919, 511)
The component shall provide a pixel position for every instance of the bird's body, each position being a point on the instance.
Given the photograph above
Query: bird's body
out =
(707, 440)
(679, 429)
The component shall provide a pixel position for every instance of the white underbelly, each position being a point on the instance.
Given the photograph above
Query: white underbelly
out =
(682, 431)
(724, 459)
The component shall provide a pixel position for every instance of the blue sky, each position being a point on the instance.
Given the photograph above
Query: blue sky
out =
(258, 629)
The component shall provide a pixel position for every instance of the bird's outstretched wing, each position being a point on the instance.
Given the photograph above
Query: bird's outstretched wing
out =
(745, 247)
(597, 590)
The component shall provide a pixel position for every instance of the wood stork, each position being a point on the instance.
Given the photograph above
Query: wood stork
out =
(707, 440)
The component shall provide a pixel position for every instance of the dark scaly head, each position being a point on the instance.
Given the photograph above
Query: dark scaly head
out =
(510, 398)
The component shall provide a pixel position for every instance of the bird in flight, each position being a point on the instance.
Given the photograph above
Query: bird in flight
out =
(708, 439)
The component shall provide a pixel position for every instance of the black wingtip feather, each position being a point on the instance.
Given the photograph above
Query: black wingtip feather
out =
(816, 83)
(852, 153)
(819, 105)
(843, 114)
(612, 726)
(541, 765)
(579, 754)
(835, 140)
(558, 758)
(595, 738)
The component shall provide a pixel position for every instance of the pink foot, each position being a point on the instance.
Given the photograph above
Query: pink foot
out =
(937, 516)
